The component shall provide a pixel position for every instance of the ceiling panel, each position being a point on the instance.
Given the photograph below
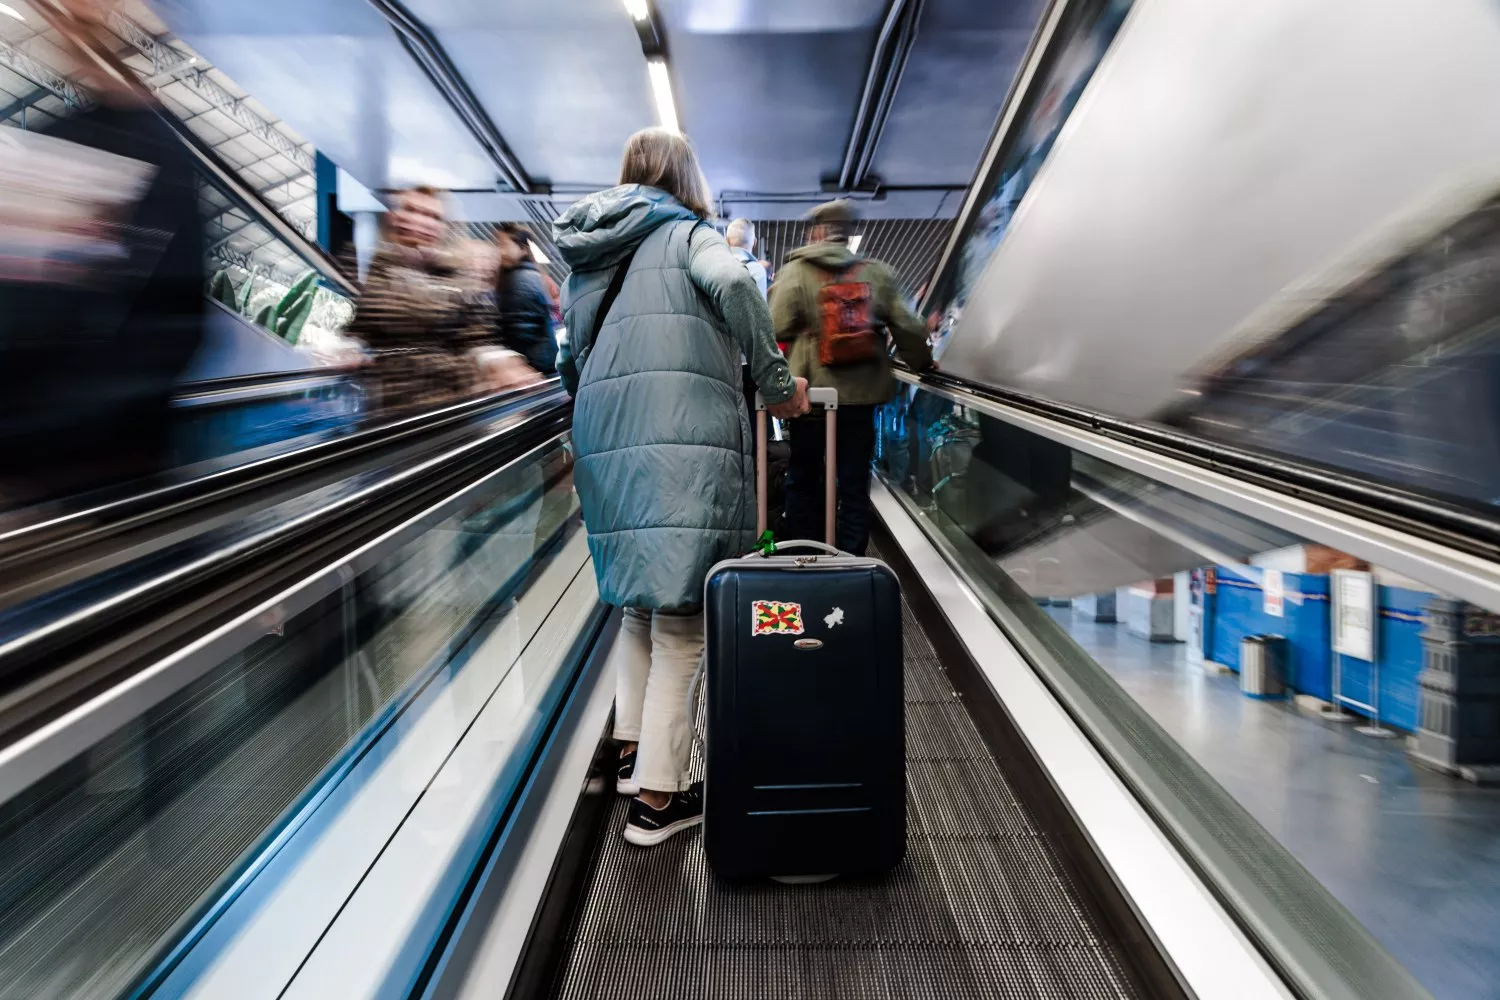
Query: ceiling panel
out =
(956, 78)
(564, 81)
(336, 73)
(771, 105)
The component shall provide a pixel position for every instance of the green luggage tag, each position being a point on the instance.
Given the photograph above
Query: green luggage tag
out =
(766, 544)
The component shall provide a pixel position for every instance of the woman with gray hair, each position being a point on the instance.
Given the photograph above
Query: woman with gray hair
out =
(658, 313)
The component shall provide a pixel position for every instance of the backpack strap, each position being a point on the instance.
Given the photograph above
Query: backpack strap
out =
(850, 273)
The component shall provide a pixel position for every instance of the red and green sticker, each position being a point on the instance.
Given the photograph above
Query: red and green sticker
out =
(775, 618)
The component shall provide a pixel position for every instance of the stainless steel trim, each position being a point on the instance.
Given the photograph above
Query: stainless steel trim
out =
(270, 390)
(401, 904)
(516, 877)
(1011, 108)
(1201, 941)
(44, 749)
(307, 897)
(1448, 570)
(370, 492)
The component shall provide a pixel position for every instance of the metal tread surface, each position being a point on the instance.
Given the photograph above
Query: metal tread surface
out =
(982, 905)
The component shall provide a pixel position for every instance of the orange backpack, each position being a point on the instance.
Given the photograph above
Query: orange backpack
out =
(846, 310)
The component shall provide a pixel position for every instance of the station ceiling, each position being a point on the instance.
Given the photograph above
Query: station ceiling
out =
(769, 90)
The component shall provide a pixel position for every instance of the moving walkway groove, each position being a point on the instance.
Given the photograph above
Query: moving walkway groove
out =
(984, 905)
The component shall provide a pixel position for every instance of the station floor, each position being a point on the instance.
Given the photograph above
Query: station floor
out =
(1414, 855)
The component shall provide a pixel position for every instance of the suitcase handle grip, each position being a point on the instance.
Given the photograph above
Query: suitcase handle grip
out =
(829, 399)
(807, 543)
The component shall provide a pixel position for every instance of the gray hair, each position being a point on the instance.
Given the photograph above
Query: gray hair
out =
(741, 233)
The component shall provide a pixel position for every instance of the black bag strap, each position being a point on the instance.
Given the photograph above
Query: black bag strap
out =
(612, 292)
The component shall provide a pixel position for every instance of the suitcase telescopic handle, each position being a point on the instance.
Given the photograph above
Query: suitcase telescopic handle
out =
(829, 400)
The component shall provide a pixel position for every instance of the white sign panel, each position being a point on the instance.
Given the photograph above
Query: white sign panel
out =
(1354, 613)
(1275, 590)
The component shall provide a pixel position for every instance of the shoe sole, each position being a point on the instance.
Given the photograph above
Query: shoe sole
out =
(630, 788)
(650, 838)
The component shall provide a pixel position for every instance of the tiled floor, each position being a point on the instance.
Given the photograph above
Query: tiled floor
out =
(1414, 855)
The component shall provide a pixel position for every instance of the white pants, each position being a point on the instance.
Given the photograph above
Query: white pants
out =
(654, 658)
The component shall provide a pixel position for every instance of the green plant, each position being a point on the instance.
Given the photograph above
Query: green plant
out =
(292, 318)
(302, 284)
(285, 317)
(221, 289)
(246, 290)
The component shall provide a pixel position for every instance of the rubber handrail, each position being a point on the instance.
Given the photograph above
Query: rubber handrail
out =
(37, 547)
(100, 625)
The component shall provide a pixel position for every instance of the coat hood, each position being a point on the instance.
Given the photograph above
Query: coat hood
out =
(829, 256)
(599, 230)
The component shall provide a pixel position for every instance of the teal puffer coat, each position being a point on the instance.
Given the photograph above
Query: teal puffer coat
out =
(662, 440)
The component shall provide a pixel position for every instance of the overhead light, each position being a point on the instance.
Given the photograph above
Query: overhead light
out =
(537, 255)
(661, 85)
(638, 9)
(10, 11)
(855, 241)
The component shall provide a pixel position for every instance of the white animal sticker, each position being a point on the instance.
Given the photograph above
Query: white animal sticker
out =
(834, 617)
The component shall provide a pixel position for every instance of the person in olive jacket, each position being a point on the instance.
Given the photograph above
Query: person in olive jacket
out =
(798, 311)
(525, 308)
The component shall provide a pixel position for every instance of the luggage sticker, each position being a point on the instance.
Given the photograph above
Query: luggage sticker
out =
(775, 618)
(834, 617)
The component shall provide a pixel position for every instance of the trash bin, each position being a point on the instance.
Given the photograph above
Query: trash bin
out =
(1263, 666)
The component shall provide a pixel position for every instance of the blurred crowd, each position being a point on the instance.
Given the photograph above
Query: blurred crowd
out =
(442, 318)
(103, 273)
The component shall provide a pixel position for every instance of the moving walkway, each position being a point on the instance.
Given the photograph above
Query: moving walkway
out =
(357, 747)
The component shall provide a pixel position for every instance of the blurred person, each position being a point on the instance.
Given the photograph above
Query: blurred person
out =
(554, 298)
(740, 235)
(425, 312)
(521, 297)
(663, 445)
(741, 239)
(92, 344)
(836, 309)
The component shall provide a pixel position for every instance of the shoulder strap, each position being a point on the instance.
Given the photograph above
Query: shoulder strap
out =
(612, 292)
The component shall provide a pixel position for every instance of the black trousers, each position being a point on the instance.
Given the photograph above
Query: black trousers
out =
(804, 487)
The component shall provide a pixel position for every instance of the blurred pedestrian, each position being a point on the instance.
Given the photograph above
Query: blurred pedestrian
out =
(426, 311)
(525, 321)
(837, 310)
(741, 239)
(97, 330)
(740, 235)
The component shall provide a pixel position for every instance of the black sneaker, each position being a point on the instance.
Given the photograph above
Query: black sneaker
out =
(625, 778)
(647, 827)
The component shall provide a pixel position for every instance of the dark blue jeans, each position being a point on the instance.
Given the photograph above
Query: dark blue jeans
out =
(804, 485)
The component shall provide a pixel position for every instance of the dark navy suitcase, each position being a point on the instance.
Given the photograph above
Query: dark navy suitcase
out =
(806, 754)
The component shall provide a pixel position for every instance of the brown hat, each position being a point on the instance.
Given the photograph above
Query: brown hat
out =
(840, 212)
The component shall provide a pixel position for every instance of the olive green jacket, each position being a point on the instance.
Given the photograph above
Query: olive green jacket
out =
(794, 310)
